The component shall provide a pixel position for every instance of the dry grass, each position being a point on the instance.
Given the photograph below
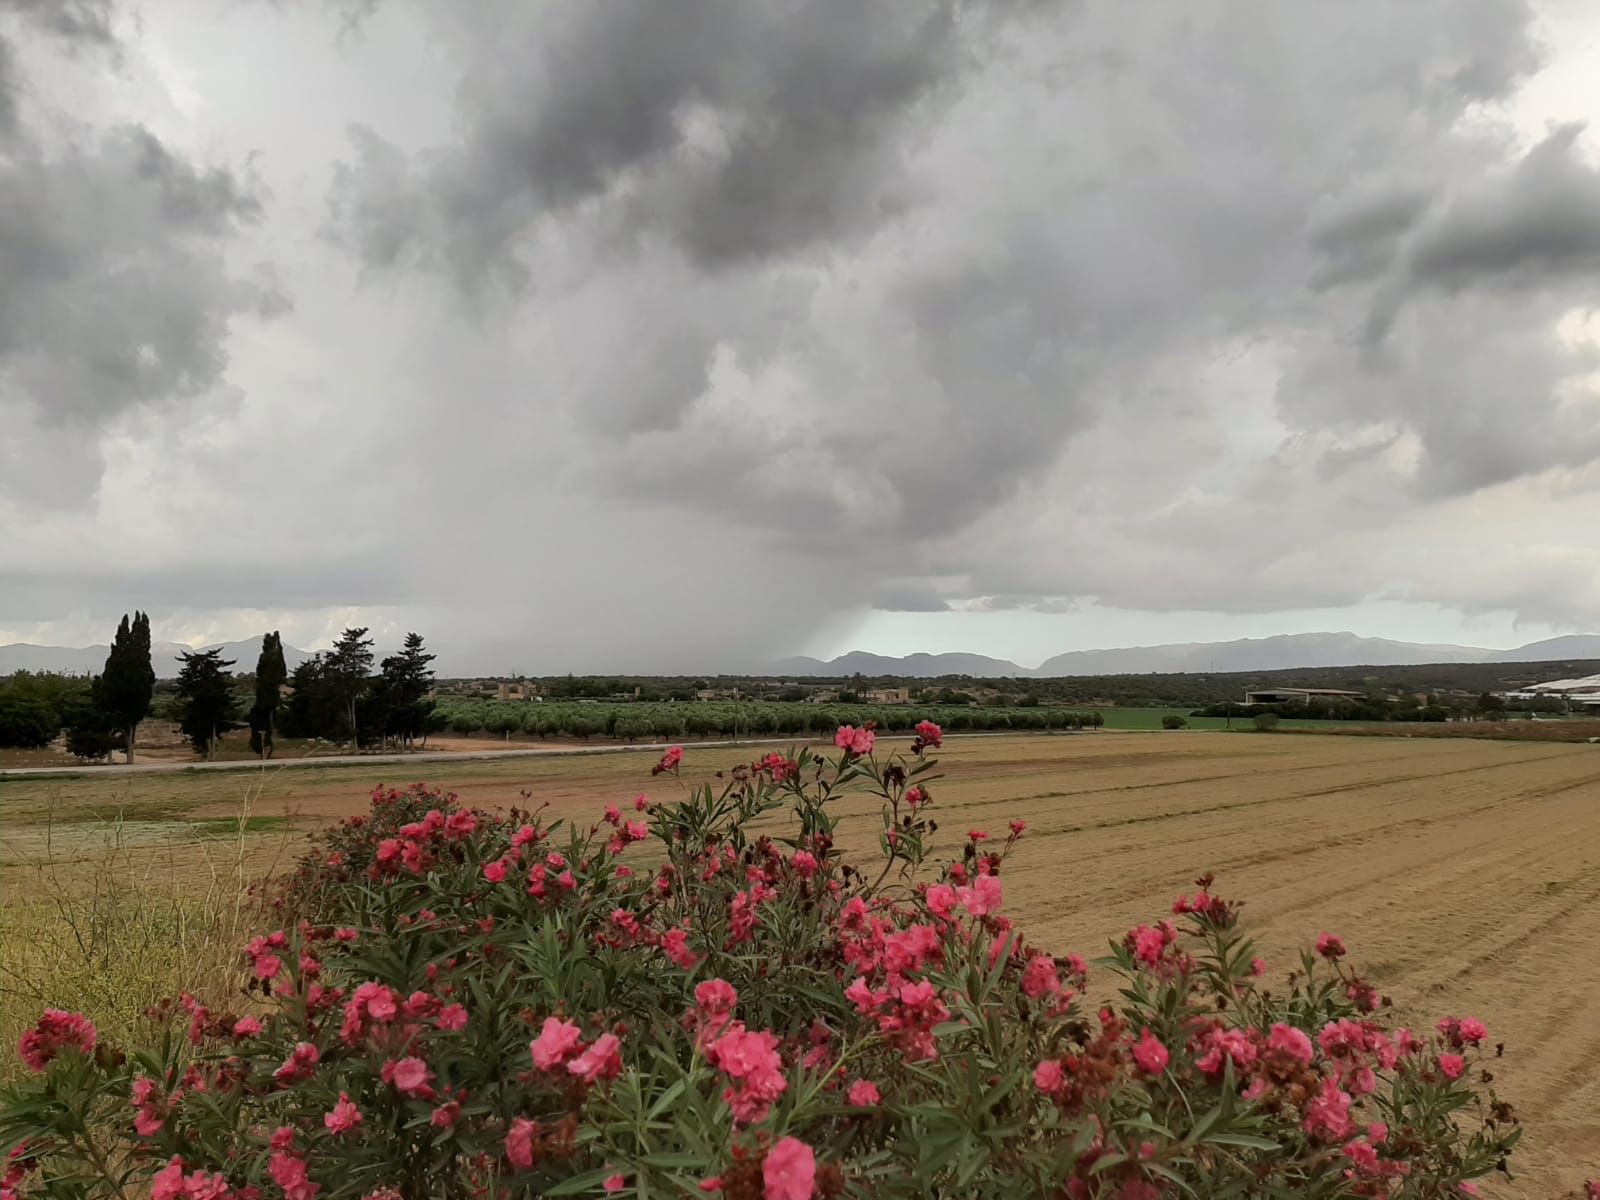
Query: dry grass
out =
(102, 918)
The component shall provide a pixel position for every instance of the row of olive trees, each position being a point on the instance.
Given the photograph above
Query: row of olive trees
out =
(721, 719)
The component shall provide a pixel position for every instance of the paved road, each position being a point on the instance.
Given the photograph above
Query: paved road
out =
(364, 760)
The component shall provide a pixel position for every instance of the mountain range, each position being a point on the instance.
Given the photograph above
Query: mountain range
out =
(90, 660)
(1281, 652)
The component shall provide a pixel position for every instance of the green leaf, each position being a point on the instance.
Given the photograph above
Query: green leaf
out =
(1248, 1141)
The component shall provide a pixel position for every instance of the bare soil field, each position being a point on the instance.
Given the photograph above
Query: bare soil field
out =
(1464, 874)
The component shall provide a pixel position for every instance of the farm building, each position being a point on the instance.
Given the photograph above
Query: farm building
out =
(1582, 692)
(889, 696)
(1288, 695)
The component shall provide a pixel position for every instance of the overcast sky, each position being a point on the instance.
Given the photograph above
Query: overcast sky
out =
(641, 335)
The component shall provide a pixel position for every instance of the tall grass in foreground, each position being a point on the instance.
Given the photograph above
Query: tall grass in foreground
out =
(94, 919)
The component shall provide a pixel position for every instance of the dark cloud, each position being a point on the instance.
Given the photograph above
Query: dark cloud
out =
(114, 290)
(738, 130)
(1540, 221)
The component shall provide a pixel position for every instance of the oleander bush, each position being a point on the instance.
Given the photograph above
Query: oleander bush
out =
(704, 996)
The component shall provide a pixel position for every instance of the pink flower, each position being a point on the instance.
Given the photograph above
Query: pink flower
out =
(345, 934)
(1221, 1045)
(1150, 1055)
(804, 863)
(1452, 1065)
(613, 1183)
(557, 1041)
(1018, 827)
(1330, 946)
(916, 796)
(299, 1065)
(637, 831)
(1328, 1113)
(675, 945)
(246, 1027)
(167, 1183)
(983, 897)
(452, 1018)
(446, 1115)
(715, 996)
(853, 741)
(863, 1093)
(1039, 977)
(613, 815)
(1287, 1040)
(752, 1062)
(602, 1060)
(56, 1031)
(977, 835)
(289, 1173)
(1363, 1155)
(147, 1122)
(409, 1076)
(669, 761)
(1258, 967)
(1462, 1031)
(343, 1117)
(495, 872)
(519, 1142)
(1048, 1077)
(789, 1172)
(641, 802)
(930, 734)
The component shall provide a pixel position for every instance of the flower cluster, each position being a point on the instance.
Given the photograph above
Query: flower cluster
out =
(468, 1004)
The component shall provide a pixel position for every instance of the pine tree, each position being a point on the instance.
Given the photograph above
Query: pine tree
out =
(348, 667)
(129, 680)
(270, 675)
(312, 710)
(206, 700)
(406, 681)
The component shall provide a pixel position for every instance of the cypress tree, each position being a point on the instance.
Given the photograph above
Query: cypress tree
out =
(271, 672)
(128, 681)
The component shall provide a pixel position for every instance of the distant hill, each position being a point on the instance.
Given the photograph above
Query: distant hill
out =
(1266, 654)
(1278, 653)
(88, 660)
(1573, 646)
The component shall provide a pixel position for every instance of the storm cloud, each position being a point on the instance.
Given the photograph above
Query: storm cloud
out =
(113, 289)
(810, 308)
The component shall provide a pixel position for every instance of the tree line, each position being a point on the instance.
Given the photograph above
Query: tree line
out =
(334, 696)
(634, 721)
